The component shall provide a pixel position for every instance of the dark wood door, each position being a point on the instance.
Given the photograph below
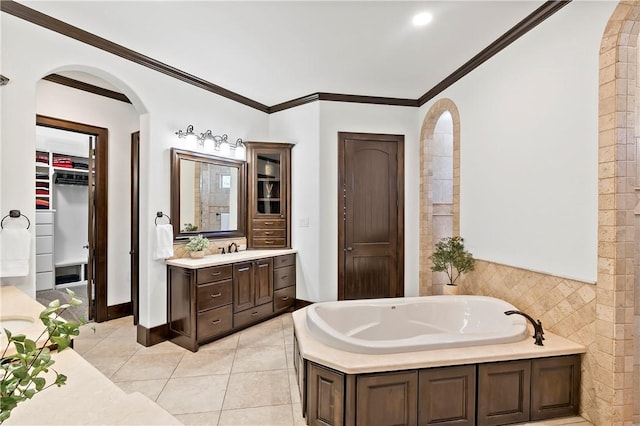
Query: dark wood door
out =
(263, 285)
(135, 223)
(371, 204)
(243, 291)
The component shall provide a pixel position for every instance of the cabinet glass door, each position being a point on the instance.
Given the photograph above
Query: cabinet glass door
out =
(269, 183)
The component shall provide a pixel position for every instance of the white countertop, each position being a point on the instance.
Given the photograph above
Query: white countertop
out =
(224, 259)
(357, 363)
(88, 397)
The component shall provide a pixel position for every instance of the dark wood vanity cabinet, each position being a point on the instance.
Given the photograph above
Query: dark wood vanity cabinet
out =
(207, 303)
(269, 193)
(477, 394)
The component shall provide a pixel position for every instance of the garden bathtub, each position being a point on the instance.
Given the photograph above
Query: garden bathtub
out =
(397, 325)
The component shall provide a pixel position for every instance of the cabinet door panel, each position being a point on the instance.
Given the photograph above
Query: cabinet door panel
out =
(263, 281)
(555, 387)
(243, 286)
(284, 277)
(284, 298)
(387, 399)
(214, 322)
(503, 392)
(325, 396)
(447, 396)
(214, 295)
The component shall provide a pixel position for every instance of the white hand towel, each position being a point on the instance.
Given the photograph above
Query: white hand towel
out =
(15, 247)
(164, 241)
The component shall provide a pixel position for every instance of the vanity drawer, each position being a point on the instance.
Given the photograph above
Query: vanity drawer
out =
(284, 277)
(268, 242)
(286, 260)
(214, 295)
(268, 224)
(214, 273)
(214, 321)
(284, 298)
(252, 315)
(269, 233)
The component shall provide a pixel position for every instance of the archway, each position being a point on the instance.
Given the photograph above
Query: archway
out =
(427, 142)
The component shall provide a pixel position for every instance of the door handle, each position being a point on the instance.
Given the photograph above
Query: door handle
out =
(349, 249)
(87, 246)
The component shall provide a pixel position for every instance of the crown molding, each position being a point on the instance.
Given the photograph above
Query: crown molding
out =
(524, 26)
(81, 85)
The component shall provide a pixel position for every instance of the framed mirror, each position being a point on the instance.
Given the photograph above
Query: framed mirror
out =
(208, 195)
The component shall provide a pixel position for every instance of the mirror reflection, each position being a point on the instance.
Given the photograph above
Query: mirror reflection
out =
(207, 195)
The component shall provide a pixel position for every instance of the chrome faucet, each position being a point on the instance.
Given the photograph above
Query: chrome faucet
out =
(538, 332)
(233, 247)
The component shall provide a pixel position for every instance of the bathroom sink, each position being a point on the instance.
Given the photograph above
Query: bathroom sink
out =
(15, 324)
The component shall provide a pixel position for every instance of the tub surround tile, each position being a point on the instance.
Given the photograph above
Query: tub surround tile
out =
(356, 363)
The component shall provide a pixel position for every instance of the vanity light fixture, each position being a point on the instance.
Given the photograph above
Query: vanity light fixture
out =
(213, 142)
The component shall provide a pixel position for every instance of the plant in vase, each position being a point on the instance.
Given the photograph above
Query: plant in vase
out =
(21, 372)
(196, 246)
(451, 257)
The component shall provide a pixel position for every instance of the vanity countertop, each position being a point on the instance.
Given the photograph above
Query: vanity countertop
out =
(16, 307)
(224, 259)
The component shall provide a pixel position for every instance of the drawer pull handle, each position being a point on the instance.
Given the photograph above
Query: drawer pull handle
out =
(253, 314)
(243, 269)
(263, 265)
(216, 273)
(268, 242)
(284, 277)
(218, 321)
(268, 223)
(285, 298)
(268, 233)
(218, 294)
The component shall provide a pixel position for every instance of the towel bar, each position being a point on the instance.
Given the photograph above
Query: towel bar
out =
(159, 215)
(14, 214)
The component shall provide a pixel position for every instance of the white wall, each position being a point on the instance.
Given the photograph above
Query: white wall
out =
(121, 119)
(350, 117)
(164, 104)
(301, 126)
(529, 147)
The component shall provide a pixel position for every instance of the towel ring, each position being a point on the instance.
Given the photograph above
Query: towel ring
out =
(159, 215)
(14, 214)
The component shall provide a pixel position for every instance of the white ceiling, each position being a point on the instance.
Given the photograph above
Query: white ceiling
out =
(275, 51)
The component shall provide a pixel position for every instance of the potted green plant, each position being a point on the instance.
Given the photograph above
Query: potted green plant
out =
(196, 246)
(21, 372)
(451, 257)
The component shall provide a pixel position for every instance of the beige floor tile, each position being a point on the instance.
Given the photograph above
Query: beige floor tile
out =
(149, 388)
(82, 346)
(288, 335)
(165, 347)
(276, 415)
(114, 347)
(257, 389)
(95, 330)
(147, 367)
(125, 330)
(270, 335)
(293, 386)
(210, 418)
(229, 342)
(107, 365)
(187, 395)
(288, 350)
(260, 358)
(205, 363)
(287, 320)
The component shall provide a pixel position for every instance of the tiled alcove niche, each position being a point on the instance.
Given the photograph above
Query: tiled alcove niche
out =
(601, 317)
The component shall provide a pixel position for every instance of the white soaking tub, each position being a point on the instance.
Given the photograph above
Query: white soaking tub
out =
(396, 325)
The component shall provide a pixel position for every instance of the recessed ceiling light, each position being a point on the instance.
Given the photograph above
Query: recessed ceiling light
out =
(422, 19)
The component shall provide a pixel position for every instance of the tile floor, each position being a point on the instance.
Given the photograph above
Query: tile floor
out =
(243, 379)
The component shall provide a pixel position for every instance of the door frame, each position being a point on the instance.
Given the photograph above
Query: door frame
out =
(135, 225)
(399, 140)
(101, 203)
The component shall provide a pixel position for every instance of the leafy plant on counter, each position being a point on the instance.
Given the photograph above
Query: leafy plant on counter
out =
(197, 243)
(188, 227)
(21, 372)
(450, 256)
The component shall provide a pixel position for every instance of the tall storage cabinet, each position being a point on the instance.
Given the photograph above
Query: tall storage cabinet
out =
(269, 195)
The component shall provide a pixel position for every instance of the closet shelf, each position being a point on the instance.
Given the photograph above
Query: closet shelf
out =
(67, 170)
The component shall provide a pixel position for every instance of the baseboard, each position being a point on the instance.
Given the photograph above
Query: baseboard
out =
(151, 336)
(119, 311)
(301, 304)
